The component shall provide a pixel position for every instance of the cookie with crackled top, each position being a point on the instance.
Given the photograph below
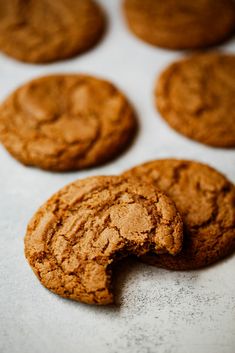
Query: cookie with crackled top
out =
(75, 237)
(196, 97)
(206, 201)
(181, 24)
(66, 122)
(44, 31)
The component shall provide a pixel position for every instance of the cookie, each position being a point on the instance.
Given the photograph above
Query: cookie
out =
(206, 202)
(66, 122)
(76, 236)
(45, 31)
(181, 24)
(196, 97)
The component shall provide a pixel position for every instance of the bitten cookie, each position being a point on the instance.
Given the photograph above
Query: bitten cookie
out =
(181, 24)
(196, 97)
(66, 122)
(206, 202)
(76, 236)
(45, 31)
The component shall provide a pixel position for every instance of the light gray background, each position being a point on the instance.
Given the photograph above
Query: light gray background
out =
(159, 311)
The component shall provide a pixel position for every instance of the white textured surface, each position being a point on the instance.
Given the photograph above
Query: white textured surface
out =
(159, 311)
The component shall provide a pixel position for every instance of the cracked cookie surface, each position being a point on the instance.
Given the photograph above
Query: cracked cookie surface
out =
(181, 24)
(74, 238)
(196, 97)
(66, 122)
(45, 31)
(206, 202)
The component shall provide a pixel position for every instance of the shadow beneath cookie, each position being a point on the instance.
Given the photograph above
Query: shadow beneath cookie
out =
(122, 271)
(215, 47)
(219, 262)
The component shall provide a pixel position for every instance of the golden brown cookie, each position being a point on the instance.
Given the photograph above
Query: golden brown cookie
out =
(181, 24)
(206, 202)
(41, 31)
(66, 122)
(75, 237)
(196, 97)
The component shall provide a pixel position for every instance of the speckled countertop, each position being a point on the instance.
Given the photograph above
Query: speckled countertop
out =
(157, 311)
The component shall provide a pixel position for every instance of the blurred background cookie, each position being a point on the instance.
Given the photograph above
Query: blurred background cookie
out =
(181, 24)
(196, 97)
(66, 122)
(40, 31)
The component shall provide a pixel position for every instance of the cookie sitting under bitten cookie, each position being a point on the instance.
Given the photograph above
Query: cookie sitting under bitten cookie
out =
(206, 201)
